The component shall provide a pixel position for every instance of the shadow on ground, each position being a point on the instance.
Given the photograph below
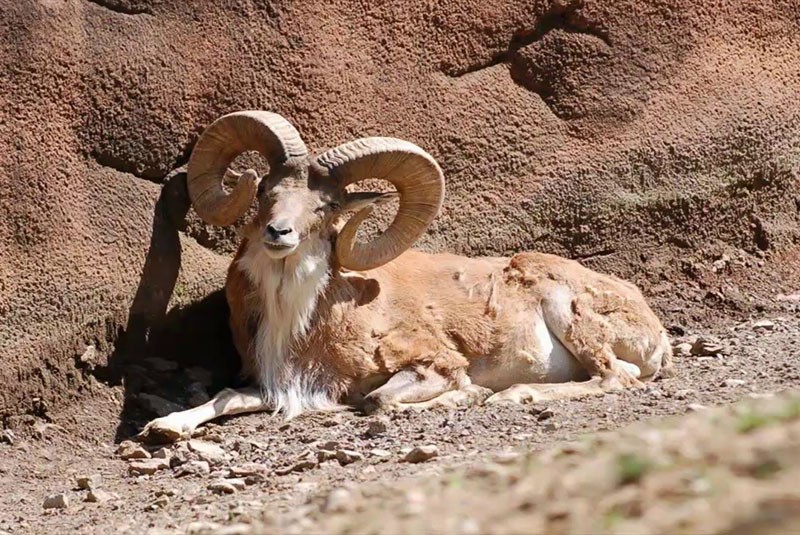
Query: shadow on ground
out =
(169, 359)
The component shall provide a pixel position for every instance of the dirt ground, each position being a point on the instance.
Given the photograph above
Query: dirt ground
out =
(605, 464)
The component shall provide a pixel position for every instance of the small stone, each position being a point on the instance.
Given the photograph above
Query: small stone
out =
(179, 456)
(683, 394)
(506, 457)
(87, 482)
(200, 375)
(207, 451)
(552, 426)
(161, 365)
(420, 454)
(221, 487)
(147, 466)
(763, 325)
(162, 453)
(696, 407)
(89, 356)
(545, 414)
(346, 457)
(161, 501)
(255, 479)
(325, 455)
(377, 427)
(236, 482)
(707, 347)
(333, 420)
(99, 496)
(128, 450)
(157, 405)
(235, 529)
(7, 436)
(194, 468)
(197, 394)
(300, 466)
(201, 527)
(248, 469)
(56, 501)
(338, 501)
(683, 350)
(734, 382)
(379, 453)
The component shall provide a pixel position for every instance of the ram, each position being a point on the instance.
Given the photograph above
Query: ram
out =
(322, 320)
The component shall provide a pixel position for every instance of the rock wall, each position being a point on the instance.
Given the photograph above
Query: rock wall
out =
(599, 130)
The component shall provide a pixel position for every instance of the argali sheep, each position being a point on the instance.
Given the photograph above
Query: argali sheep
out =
(322, 320)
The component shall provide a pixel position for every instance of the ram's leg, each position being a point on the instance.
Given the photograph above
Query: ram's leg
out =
(588, 335)
(524, 393)
(181, 424)
(424, 388)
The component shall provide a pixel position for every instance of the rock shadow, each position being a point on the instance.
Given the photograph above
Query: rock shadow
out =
(169, 359)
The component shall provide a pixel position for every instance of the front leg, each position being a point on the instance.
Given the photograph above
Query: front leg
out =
(423, 388)
(181, 424)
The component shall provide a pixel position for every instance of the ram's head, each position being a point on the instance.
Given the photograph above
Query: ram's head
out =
(304, 196)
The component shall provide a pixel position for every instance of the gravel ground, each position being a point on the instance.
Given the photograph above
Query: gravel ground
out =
(259, 474)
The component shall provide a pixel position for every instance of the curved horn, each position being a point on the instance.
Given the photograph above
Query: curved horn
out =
(418, 180)
(227, 137)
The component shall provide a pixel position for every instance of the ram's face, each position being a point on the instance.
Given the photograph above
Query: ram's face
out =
(292, 213)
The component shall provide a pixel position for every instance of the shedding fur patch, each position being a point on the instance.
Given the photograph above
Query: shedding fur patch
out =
(288, 291)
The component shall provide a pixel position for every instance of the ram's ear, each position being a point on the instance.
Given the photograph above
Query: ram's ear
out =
(358, 200)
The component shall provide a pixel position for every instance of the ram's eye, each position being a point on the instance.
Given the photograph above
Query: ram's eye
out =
(334, 205)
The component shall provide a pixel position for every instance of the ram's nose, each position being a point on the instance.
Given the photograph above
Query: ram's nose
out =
(275, 231)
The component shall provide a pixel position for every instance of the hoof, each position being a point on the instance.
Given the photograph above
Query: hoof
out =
(164, 430)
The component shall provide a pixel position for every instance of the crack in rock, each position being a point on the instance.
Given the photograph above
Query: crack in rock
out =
(126, 7)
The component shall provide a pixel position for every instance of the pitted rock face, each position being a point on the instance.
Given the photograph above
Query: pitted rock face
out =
(589, 129)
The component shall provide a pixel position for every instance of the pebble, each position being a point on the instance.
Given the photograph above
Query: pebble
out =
(221, 487)
(764, 325)
(338, 501)
(683, 394)
(255, 479)
(194, 468)
(236, 482)
(161, 365)
(683, 350)
(162, 453)
(696, 407)
(147, 466)
(207, 451)
(201, 527)
(89, 482)
(506, 457)
(300, 466)
(552, 426)
(7, 436)
(157, 405)
(128, 450)
(199, 375)
(56, 501)
(197, 394)
(420, 454)
(346, 457)
(707, 347)
(248, 469)
(734, 382)
(377, 427)
(381, 454)
(545, 414)
(99, 496)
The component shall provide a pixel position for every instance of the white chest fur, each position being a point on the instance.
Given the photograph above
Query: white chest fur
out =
(287, 291)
